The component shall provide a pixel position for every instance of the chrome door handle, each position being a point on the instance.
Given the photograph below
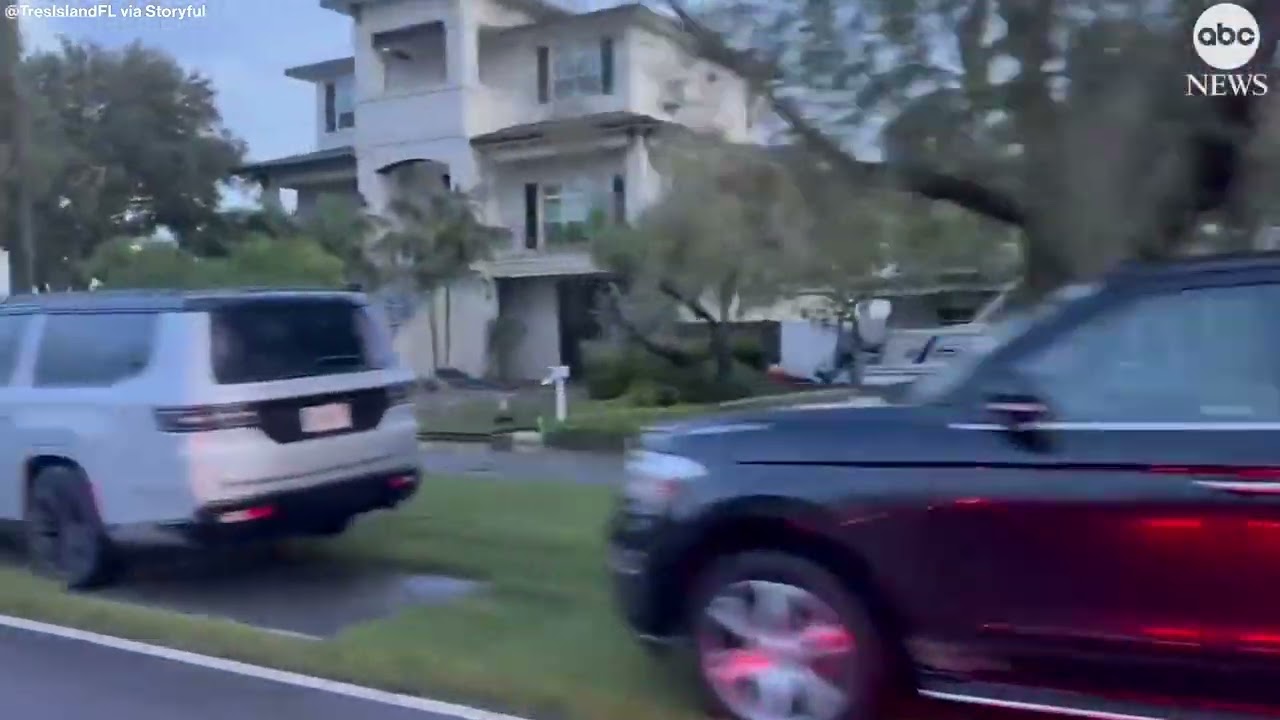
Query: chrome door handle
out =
(1241, 487)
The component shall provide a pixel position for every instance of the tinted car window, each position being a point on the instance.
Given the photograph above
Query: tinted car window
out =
(1002, 332)
(1197, 356)
(12, 328)
(265, 340)
(94, 350)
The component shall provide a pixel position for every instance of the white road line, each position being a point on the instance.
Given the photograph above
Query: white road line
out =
(409, 702)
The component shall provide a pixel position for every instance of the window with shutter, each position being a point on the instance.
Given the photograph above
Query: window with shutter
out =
(531, 216)
(619, 199)
(544, 74)
(578, 70)
(330, 107)
(344, 101)
(606, 66)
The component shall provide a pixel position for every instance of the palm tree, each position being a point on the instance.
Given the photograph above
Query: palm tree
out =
(433, 237)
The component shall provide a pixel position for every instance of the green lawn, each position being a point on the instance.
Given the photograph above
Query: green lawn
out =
(476, 416)
(604, 416)
(543, 641)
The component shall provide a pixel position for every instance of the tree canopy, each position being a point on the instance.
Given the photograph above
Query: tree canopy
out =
(125, 142)
(10, 52)
(1067, 119)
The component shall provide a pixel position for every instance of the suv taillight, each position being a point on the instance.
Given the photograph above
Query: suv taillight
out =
(400, 393)
(204, 418)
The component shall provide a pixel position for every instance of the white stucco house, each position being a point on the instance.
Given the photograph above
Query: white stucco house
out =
(543, 114)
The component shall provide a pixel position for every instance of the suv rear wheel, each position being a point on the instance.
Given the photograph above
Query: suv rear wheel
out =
(779, 637)
(65, 538)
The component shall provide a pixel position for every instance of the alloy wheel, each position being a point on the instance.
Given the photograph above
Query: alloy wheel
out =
(773, 651)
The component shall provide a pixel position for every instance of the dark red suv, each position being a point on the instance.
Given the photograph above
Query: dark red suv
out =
(1084, 519)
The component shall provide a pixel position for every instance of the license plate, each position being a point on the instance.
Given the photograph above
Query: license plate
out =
(326, 418)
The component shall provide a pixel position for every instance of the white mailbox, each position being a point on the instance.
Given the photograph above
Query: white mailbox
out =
(557, 376)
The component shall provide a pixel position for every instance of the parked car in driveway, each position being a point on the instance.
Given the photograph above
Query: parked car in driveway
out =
(197, 417)
(1083, 518)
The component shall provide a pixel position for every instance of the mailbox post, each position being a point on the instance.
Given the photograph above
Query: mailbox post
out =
(557, 377)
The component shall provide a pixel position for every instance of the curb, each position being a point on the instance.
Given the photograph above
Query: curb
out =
(455, 437)
(517, 440)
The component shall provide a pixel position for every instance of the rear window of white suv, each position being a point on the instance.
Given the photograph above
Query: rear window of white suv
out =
(263, 340)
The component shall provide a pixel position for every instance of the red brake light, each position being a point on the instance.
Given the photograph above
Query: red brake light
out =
(401, 481)
(260, 512)
(205, 418)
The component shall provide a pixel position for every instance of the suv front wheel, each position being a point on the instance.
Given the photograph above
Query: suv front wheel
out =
(65, 538)
(780, 637)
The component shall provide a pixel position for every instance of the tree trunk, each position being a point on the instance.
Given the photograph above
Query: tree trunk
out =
(21, 251)
(433, 324)
(721, 351)
(448, 326)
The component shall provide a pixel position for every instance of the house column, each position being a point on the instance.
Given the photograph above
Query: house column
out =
(270, 197)
(462, 46)
(640, 175)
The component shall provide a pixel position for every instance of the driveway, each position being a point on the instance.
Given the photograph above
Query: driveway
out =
(54, 678)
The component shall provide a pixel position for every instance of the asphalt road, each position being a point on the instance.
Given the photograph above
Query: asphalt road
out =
(52, 678)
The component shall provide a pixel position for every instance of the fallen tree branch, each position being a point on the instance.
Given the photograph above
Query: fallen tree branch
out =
(693, 304)
(675, 356)
(927, 182)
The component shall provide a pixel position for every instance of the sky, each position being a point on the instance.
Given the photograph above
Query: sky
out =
(243, 46)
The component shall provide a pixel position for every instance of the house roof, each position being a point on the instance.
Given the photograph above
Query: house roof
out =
(334, 158)
(629, 12)
(536, 7)
(323, 70)
(541, 130)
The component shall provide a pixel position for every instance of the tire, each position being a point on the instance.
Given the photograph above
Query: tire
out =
(65, 537)
(854, 656)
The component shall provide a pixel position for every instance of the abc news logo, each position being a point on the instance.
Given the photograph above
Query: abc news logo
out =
(1227, 38)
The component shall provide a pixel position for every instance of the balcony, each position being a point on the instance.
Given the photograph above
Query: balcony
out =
(568, 259)
(412, 117)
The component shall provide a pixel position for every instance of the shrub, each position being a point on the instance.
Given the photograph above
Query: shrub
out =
(645, 392)
(610, 430)
(647, 380)
(609, 370)
(750, 352)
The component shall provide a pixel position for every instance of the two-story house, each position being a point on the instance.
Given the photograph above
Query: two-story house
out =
(544, 115)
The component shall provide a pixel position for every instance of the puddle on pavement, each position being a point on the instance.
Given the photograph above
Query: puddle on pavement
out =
(311, 597)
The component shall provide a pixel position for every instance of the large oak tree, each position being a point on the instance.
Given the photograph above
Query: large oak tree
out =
(125, 141)
(1067, 119)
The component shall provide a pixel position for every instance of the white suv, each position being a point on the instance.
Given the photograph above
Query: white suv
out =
(154, 416)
